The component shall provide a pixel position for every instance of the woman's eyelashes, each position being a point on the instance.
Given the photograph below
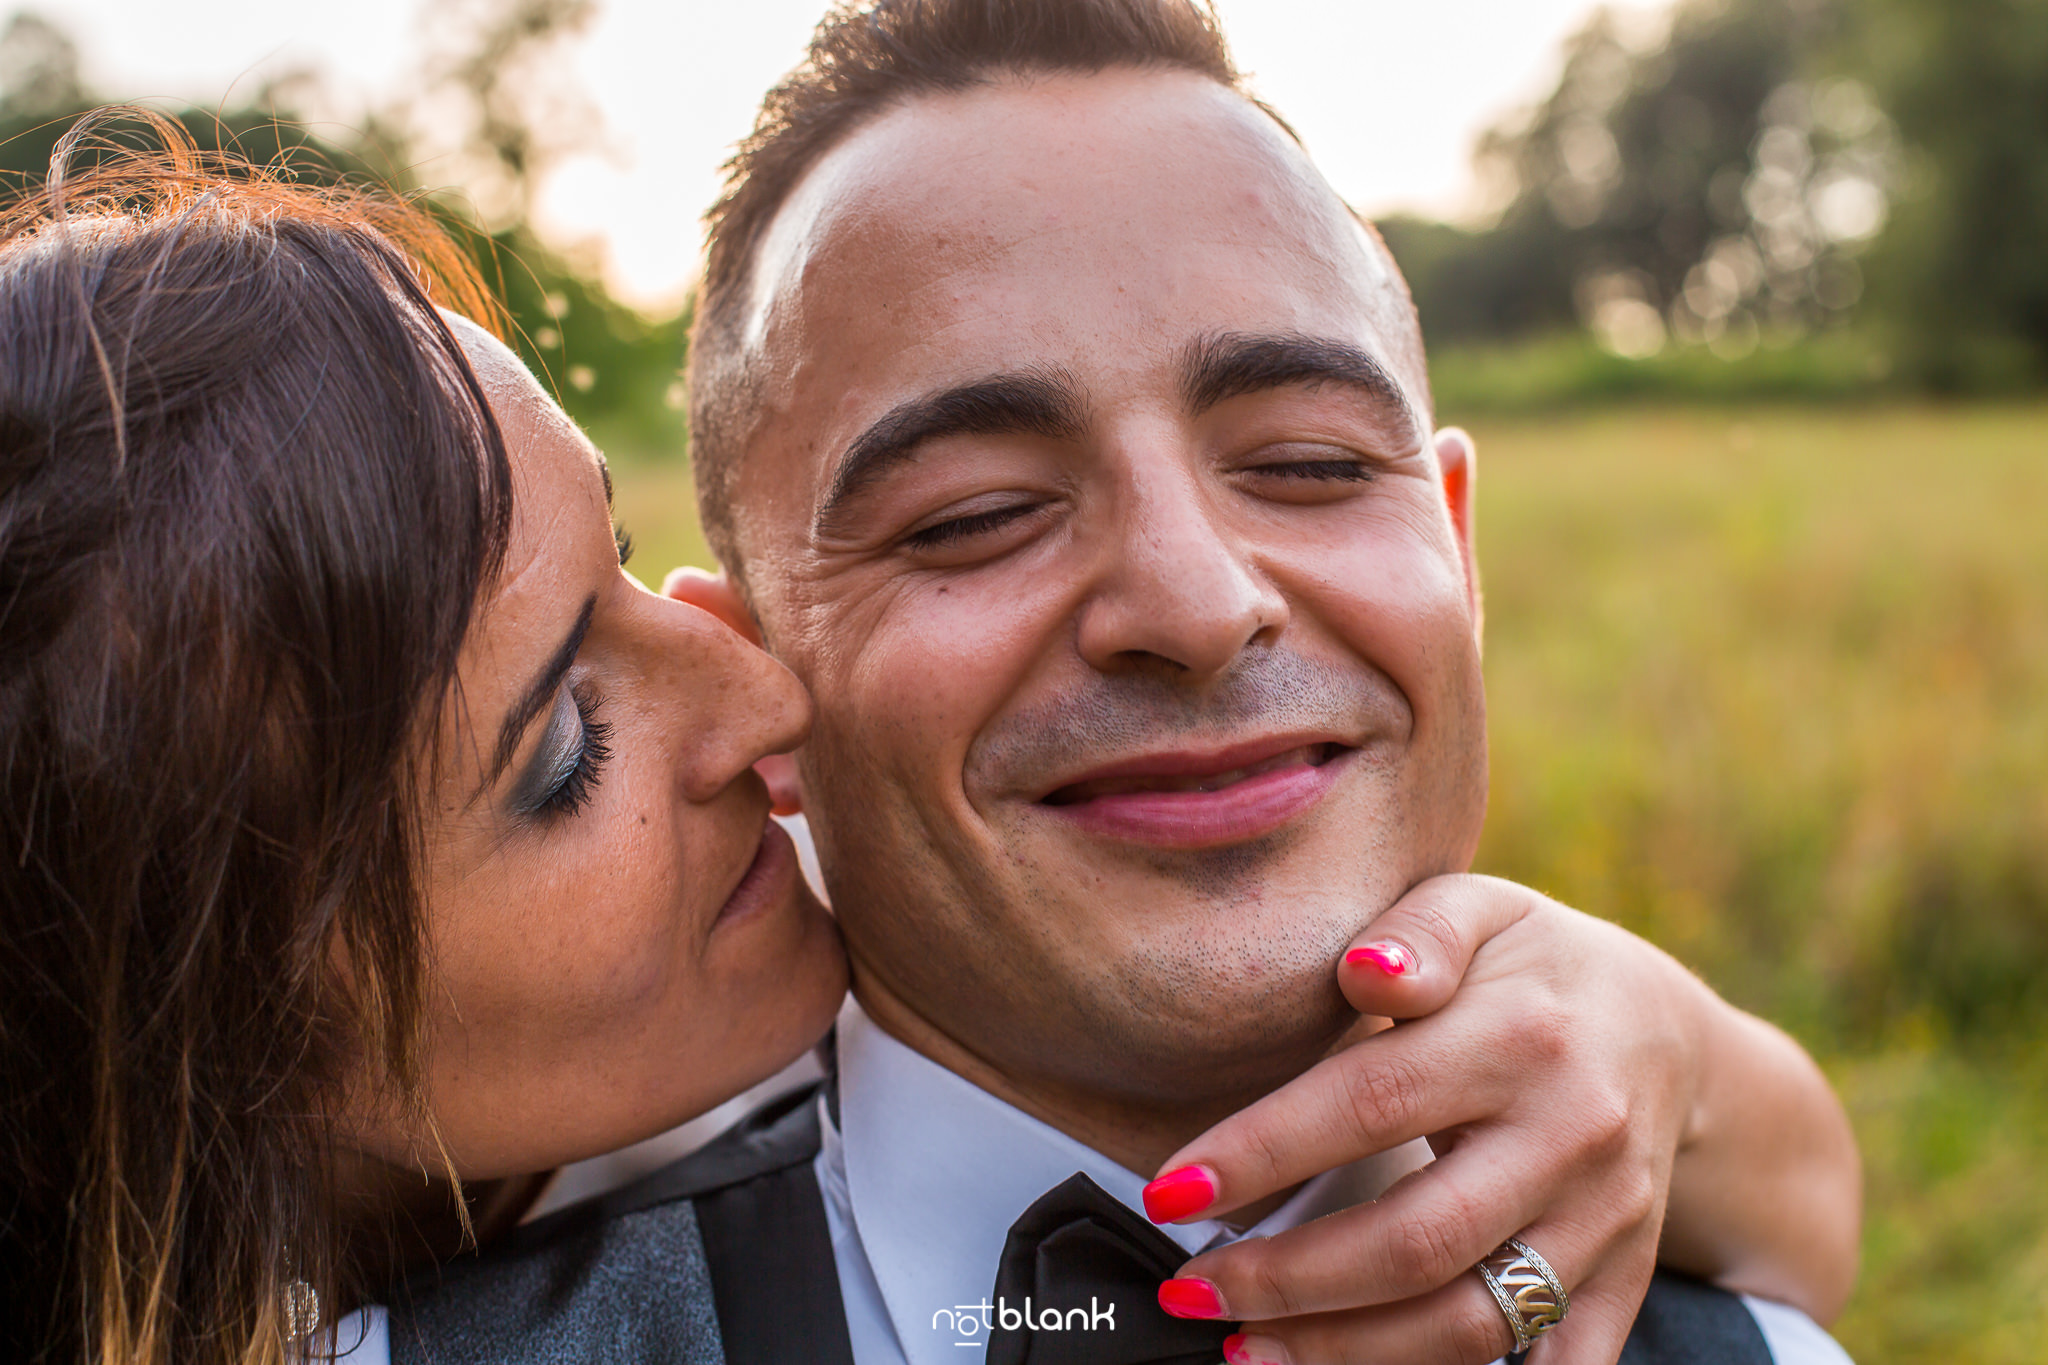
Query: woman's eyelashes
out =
(572, 757)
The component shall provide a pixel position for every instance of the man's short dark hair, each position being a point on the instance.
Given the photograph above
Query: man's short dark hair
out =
(866, 56)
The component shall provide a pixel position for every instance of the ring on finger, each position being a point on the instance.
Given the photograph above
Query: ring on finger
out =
(1528, 1291)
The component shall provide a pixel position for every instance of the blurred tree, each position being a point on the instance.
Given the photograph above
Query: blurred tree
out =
(1963, 274)
(1695, 184)
(38, 70)
(41, 92)
(496, 104)
(497, 108)
(615, 370)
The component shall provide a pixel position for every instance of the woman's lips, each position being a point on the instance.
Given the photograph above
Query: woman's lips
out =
(1185, 806)
(766, 879)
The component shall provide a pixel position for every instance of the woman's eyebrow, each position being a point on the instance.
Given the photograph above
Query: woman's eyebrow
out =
(539, 693)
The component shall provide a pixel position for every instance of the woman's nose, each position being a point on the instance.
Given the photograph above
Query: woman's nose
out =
(737, 704)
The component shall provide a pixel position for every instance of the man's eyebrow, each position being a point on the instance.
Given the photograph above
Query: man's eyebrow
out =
(1031, 402)
(1228, 364)
(539, 693)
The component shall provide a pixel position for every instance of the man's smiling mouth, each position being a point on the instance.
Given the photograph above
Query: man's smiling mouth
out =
(1307, 755)
(1193, 800)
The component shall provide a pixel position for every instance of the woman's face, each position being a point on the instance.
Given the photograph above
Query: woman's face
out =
(619, 935)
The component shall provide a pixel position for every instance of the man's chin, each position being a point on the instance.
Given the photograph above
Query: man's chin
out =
(1216, 966)
(1217, 1039)
(1316, 878)
(1214, 992)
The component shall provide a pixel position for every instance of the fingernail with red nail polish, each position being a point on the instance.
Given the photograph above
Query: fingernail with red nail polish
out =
(1191, 1299)
(1180, 1192)
(1240, 1349)
(1390, 958)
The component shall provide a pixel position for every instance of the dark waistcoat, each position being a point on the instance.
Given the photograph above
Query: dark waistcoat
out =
(724, 1256)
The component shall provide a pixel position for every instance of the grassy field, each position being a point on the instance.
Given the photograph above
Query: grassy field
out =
(1773, 691)
(1771, 688)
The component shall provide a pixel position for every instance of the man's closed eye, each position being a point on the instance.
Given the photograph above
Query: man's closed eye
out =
(956, 532)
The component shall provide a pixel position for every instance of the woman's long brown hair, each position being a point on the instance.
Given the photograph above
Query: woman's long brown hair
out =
(250, 492)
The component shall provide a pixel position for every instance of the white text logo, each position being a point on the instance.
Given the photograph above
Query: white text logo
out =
(973, 1321)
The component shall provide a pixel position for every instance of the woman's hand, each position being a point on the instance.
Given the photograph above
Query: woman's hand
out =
(1581, 1091)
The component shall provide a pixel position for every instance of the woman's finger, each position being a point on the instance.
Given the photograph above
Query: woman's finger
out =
(1603, 1310)
(1373, 1097)
(1410, 961)
(1384, 1090)
(1457, 1066)
(1422, 1234)
(1460, 1322)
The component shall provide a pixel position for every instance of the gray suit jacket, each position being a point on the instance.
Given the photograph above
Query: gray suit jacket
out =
(724, 1256)
(721, 1256)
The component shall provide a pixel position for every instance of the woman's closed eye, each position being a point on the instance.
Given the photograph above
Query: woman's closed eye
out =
(573, 753)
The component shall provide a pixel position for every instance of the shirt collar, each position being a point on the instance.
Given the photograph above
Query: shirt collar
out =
(936, 1170)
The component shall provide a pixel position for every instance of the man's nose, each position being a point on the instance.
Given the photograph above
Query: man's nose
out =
(1176, 586)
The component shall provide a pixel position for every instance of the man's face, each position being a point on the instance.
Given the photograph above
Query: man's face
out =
(1092, 496)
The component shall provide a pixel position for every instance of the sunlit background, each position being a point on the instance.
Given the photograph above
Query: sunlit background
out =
(1746, 302)
(653, 92)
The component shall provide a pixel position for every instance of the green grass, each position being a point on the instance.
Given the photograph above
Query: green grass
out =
(1770, 686)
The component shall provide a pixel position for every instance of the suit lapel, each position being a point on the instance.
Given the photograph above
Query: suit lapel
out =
(762, 1219)
(772, 1270)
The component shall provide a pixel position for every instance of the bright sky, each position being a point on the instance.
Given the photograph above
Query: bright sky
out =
(1388, 96)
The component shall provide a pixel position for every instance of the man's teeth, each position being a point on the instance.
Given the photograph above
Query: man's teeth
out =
(1202, 782)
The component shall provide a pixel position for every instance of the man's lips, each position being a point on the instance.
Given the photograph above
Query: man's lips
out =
(1189, 772)
(1200, 800)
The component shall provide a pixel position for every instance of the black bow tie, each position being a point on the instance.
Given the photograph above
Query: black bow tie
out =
(1079, 1285)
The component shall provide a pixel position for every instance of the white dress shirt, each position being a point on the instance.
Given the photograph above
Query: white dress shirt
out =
(925, 1172)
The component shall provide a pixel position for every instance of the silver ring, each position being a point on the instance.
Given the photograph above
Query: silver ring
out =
(1528, 1291)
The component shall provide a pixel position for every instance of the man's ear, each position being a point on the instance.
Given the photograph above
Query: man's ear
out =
(1458, 462)
(715, 593)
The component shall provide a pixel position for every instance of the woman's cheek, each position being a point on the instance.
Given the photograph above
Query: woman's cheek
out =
(657, 861)
(571, 946)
